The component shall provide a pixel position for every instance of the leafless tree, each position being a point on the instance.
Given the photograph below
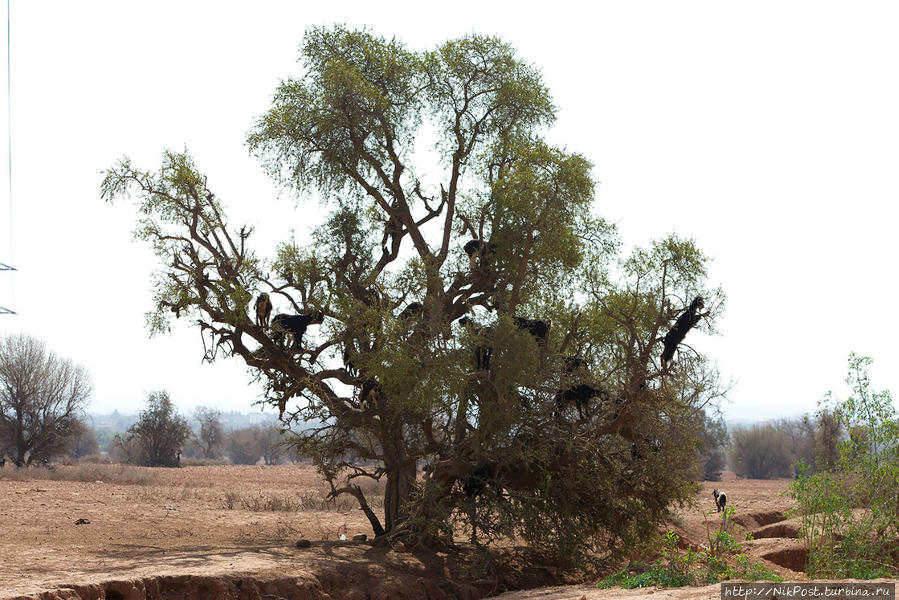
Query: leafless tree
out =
(42, 397)
(210, 437)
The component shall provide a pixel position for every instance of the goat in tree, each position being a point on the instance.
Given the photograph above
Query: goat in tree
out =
(478, 251)
(263, 308)
(720, 499)
(536, 327)
(482, 352)
(412, 310)
(685, 322)
(295, 325)
(581, 394)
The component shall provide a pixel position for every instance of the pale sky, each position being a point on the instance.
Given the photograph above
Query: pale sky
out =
(767, 131)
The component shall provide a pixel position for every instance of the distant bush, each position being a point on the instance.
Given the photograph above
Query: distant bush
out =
(761, 452)
(96, 459)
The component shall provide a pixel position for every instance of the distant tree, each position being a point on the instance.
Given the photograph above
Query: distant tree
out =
(270, 439)
(210, 437)
(828, 435)
(84, 443)
(800, 432)
(42, 398)
(159, 434)
(247, 445)
(712, 447)
(760, 452)
(243, 448)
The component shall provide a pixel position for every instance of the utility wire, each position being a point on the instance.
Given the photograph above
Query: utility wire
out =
(4, 267)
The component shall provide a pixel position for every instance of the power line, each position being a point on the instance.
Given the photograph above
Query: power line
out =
(5, 267)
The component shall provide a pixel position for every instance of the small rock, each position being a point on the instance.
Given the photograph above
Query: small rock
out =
(83, 522)
(303, 543)
(360, 537)
(399, 547)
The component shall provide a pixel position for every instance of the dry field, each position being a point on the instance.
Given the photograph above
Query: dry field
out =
(214, 531)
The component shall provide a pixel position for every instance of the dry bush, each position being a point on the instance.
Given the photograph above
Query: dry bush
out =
(288, 503)
(96, 459)
(205, 462)
(115, 474)
(760, 452)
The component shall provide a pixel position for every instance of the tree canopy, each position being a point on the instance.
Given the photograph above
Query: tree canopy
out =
(415, 154)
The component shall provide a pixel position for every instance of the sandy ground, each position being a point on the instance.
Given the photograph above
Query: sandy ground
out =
(208, 521)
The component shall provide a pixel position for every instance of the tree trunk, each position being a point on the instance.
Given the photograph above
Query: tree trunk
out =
(400, 478)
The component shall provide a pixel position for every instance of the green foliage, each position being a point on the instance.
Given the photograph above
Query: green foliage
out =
(722, 561)
(850, 513)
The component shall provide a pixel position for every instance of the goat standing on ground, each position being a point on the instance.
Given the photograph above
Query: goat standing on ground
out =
(294, 324)
(720, 499)
(263, 309)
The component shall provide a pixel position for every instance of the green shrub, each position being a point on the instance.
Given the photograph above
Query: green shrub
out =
(842, 541)
(676, 569)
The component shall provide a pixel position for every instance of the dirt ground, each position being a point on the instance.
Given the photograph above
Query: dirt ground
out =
(213, 529)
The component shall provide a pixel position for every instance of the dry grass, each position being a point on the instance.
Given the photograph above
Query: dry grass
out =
(284, 488)
(294, 503)
(115, 474)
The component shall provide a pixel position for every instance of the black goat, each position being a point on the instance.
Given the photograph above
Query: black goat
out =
(581, 394)
(413, 309)
(349, 363)
(263, 308)
(685, 322)
(720, 499)
(294, 324)
(536, 327)
(478, 251)
(573, 364)
(479, 478)
(483, 351)
(370, 393)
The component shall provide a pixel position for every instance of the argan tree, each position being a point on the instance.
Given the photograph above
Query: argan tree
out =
(415, 154)
(42, 400)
